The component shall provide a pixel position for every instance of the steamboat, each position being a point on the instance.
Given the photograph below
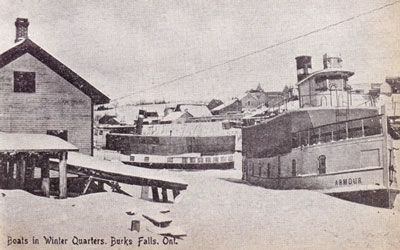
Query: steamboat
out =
(329, 144)
(174, 152)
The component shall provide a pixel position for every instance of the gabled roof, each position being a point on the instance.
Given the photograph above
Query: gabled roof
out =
(176, 115)
(27, 46)
(196, 110)
(226, 104)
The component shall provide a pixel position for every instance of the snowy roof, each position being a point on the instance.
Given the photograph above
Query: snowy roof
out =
(226, 104)
(329, 71)
(33, 142)
(195, 110)
(173, 116)
(257, 112)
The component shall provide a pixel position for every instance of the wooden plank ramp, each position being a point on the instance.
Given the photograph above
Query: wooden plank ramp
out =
(83, 165)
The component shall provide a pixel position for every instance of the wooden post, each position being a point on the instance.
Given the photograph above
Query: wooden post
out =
(22, 165)
(62, 170)
(87, 185)
(3, 170)
(154, 191)
(135, 225)
(144, 193)
(164, 195)
(45, 173)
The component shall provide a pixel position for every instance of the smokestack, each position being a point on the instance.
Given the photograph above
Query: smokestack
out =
(304, 67)
(332, 61)
(22, 29)
(139, 124)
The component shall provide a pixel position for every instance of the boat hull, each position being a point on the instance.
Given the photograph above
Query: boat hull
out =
(378, 198)
(363, 186)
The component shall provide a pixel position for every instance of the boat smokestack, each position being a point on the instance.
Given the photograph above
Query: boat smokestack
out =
(139, 124)
(304, 67)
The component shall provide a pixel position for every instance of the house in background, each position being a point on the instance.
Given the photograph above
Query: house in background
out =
(234, 106)
(274, 98)
(109, 120)
(176, 117)
(196, 110)
(40, 95)
(253, 98)
(214, 103)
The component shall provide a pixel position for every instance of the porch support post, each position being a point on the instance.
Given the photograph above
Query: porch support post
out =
(164, 195)
(62, 168)
(154, 191)
(22, 168)
(45, 174)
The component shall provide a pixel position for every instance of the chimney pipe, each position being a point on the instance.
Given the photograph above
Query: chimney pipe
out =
(139, 124)
(22, 29)
(304, 67)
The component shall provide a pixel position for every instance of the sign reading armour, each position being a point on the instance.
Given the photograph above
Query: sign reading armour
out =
(348, 181)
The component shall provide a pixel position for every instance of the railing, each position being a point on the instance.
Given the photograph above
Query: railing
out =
(356, 128)
(183, 159)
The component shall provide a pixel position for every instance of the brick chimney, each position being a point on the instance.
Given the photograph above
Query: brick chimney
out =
(22, 29)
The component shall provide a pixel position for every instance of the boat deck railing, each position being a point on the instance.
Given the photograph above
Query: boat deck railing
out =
(344, 130)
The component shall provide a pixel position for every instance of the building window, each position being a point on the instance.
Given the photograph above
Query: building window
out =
(200, 160)
(208, 159)
(322, 164)
(146, 159)
(132, 158)
(294, 170)
(259, 169)
(269, 170)
(24, 82)
(170, 160)
(63, 134)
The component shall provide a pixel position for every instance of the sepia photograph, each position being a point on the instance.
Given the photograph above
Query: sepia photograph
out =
(199, 124)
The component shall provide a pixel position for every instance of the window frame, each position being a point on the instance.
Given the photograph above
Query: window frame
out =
(322, 164)
(21, 82)
(294, 168)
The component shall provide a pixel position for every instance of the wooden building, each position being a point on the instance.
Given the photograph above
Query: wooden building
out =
(40, 95)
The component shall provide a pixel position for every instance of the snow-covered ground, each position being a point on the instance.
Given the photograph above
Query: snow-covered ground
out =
(217, 212)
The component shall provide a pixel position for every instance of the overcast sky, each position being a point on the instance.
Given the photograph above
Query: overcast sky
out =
(124, 47)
